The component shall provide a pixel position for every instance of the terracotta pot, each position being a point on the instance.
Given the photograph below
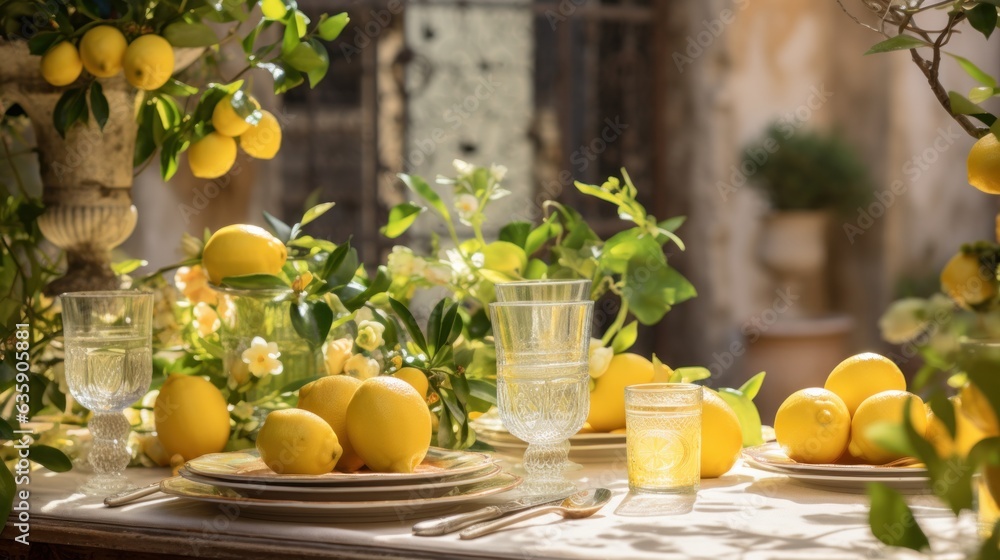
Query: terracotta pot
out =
(793, 247)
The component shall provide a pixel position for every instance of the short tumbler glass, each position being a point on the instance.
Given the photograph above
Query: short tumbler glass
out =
(544, 290)
(663, 437)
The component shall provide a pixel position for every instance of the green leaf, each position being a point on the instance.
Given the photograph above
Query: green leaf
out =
(982, 93)
(317, 74)
(285, 77)
(451, 327)
(419, 186)
(8, 490)
(99, 104)
(377, 286)
(898, 43)
(962, 106)
(516, 233)
(625, 338)
(303, 57)
(331, 28)
(409, 323)
(598, 192)
(273, 9)
(434, 326)
(42, 42)
(401, 217)
(690, 374)
(126, 266)
(254, 281)
(177, 88)
(944, 411)
(983, 18)
(169, 152)
(973, 70)
(50, 458)
(71, 108)
(672, 224)
(280, 229)
(6, 431)
(752, 385)
(190, 34)
(312, 320)
(747, 414)
(316, 211)
(891, 520)
(290, 37)
(541, 235)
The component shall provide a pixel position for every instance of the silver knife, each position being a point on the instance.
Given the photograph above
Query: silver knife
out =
(452, 523)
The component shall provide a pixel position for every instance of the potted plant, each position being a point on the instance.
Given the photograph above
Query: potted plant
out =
(805, 176)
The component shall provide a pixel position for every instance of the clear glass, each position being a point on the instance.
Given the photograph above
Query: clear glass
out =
(663, 437)
(982, 353)
(109, 365)
(543, 381)
(544, 290)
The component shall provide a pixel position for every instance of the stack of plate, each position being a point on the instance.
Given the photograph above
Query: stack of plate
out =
(584, 447)
(444, 482)
(837, 478)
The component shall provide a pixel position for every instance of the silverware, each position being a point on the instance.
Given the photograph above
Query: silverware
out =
(131, 495)
(452, 523)
(579, 505)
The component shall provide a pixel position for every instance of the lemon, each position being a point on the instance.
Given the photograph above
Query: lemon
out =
(967, 281)
(861, 376)
(388, 425)
(148, 62)
(61, 65)
(212, 156)
(242, 249)
(191, 417)
(225, 120)
(505, 257)
(721, 435)
(887, 406)
(966, 433)
(328, 398)
(102, 50)
(295, 441)
(978, 410)
(813, 426)
(607, 398)
(983, 164)
(415, 378)
(263, 140)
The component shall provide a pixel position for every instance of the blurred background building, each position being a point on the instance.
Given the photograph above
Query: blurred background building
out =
(673, 91)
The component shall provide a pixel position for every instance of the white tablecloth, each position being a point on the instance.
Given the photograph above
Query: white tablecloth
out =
(745, 514)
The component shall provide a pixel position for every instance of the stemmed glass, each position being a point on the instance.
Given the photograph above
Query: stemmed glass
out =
(544, 290)
(543, 383)
(109, 365)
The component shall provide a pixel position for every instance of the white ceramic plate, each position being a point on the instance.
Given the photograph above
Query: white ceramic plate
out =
(247, 467)
(349, 493)
(852, 483)
(577, 454)
(333, 511)
(490, 427)
(771, 455)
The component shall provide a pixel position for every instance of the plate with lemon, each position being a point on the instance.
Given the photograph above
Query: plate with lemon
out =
(828, 437)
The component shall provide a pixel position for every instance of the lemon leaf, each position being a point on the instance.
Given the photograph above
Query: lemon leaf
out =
(316, 211)
(331, 28)
(401, 217)
(625, 338)
(897, 43)
(974, 71)
(409, 323)
(419, 186)
(8, 489)
(944, 411)
(190, 34)
(983, 18)
(752, 385)
(891, 520)
(99, 104)
(50, 458)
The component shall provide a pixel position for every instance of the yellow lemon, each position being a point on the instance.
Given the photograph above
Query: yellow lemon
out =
(225, 120)
(505, 257)
(148, 62)
(388, 425)
(212, 156)
(813, 426)
(102, 50)
(966, 433)
(61, 65)
(415, 378)
(887, 406)
(328, 398)
(295, 441)
(607, 398)
(263, 140)
(861, 376)
(983, 164)
(967, 281)
(978, 410)
(242, 249)
(721, 435)
(191, 417)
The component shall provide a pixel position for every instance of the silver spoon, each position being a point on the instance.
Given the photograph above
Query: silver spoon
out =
(579, 505)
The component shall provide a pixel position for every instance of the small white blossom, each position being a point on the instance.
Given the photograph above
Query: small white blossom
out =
(904, 320)
(206, 320)
(498, 171)
(600, 357)
(438, 273)
(262, 357)
(370, 335)
(335, 355)
(463, 167)
(467, 205)
(361, 366)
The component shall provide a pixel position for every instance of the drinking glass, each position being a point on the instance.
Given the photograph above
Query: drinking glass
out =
(544, 290)
(543, 381)
(663, 437)
(109, 365)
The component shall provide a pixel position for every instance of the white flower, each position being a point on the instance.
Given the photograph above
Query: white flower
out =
(600, 357)
(904, 320)
(467, 205)
(361, 366)
(463, 167)
(206, 320)
(262, 357)
(438, 273)
(364, 313)
(498, 172)
(403, 263)
(370, 335)
(335, 355)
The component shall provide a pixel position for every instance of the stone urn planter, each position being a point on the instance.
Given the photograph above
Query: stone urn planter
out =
(793, 247)
(87, 176)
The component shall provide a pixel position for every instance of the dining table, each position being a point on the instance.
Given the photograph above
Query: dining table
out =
(747, 513)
